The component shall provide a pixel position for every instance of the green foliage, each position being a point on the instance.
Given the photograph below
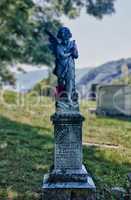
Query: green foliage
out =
(22, 24)
(46, 87)
(5, 74)
(98, 8)
(124, 80)
(10, 97)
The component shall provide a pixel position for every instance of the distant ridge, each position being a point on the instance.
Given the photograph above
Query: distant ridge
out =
(105, 73)
(80, 72)
(28, 76)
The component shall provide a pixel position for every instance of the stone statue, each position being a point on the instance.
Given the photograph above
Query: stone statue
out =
(65, 51)
(68, 178)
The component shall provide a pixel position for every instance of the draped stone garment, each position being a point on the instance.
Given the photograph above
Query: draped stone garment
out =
(65, 65)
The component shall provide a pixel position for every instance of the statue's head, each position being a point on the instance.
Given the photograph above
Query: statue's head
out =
(64, 33)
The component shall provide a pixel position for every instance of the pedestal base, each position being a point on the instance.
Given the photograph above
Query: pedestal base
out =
(70, 191)
(73, 189)
(68, 175)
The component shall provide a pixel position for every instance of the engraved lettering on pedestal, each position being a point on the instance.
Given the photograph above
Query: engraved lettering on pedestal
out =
(67, 133)
(68, 156)
(68, 147)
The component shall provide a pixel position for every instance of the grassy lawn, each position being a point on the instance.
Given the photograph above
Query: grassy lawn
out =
(26, 147)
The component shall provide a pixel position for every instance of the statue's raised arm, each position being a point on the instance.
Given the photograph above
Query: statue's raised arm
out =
(53, 41)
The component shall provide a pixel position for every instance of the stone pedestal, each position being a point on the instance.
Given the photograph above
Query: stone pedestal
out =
(68, 141)
(68, 179)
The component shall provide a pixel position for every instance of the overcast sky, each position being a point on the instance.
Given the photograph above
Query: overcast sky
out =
(101, 41)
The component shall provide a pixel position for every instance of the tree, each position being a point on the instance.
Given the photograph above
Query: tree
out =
(22, 24)
(14, 27)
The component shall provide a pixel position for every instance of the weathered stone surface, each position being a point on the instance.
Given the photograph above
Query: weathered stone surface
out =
(69, 191)
(129, 177)
(129, 189)
(67, 117)
(56, 194)
(114, 100)
(128, 100)
(83, 195)
(67, 176)
(68, 194)
(68, 141)
(63, 106)
(65, 52)
(50, 184)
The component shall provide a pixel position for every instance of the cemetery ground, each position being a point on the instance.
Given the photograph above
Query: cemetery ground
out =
(26, 147)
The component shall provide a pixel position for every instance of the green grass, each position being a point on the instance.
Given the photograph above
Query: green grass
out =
(26, 147)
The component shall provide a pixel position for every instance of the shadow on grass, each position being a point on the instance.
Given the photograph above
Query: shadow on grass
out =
(26, 154)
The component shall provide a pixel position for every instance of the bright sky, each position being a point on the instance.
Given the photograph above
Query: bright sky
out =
(101, 41)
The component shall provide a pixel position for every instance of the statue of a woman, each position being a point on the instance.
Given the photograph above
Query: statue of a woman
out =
(65, 51)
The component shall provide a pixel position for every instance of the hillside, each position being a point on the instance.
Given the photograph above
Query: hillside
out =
(105, 73)
(80, 72)
(27, 77)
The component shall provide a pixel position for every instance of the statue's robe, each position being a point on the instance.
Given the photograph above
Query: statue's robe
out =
(65, 65)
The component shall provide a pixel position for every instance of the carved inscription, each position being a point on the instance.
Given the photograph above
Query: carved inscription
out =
(68, 156)
(68, 147)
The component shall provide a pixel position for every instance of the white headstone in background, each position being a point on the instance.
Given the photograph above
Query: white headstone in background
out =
(114, 100)
(128, 100)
